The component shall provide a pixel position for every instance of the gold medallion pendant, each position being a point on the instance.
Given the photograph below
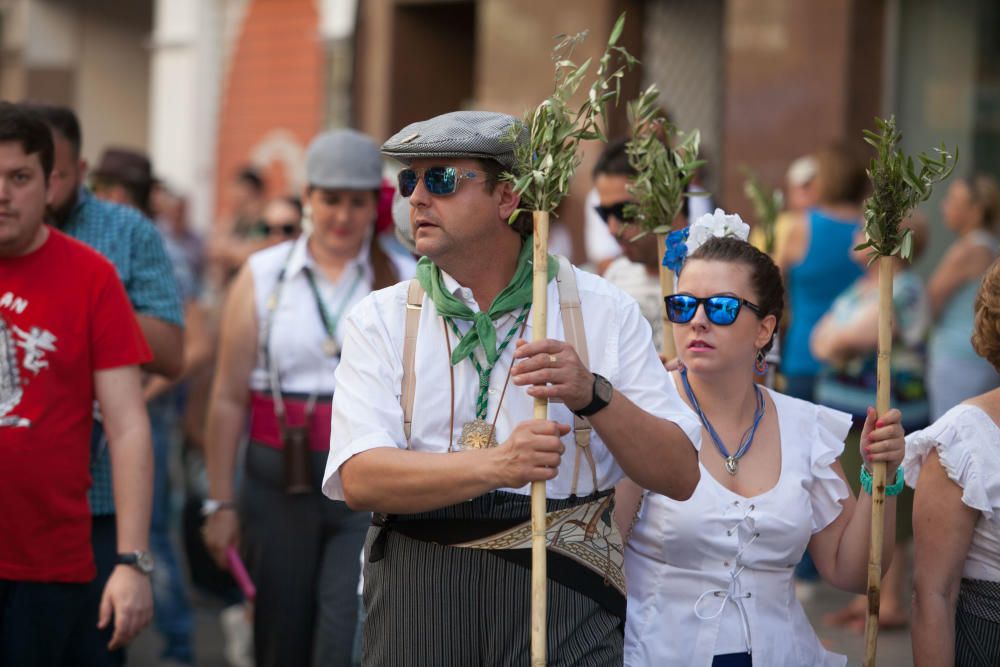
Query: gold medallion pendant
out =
(331, 347)
(478, 434)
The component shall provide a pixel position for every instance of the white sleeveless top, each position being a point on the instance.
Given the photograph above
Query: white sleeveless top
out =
(714, 574)
(297, 330)
(967, 441)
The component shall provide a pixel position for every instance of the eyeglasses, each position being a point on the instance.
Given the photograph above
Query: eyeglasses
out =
(439, 181)
(721, 309)
(287, 230)
(617, 209)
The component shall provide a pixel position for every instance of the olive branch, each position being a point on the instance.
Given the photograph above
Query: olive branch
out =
(767, 205)
(664, 159)
(546, 162)
(898, 186)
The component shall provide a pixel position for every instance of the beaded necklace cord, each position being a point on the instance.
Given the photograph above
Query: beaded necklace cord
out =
(482, 400)
(732, 460)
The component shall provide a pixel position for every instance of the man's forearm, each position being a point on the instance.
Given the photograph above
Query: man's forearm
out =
(655, 453)
(132, 480)
(396, 481)
(166, 341)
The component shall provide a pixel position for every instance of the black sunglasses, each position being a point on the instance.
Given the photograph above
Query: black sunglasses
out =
(286, 230)
(617, 209)
(439, 181)
(721, 309)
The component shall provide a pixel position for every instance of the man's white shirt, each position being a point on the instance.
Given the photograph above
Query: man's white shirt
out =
(366, 408)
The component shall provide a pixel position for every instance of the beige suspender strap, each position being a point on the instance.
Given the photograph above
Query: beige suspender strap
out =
(414, 302)
(572, 319)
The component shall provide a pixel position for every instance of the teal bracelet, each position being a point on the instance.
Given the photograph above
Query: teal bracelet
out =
(894, 490)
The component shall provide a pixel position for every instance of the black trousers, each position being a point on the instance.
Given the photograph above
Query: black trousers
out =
(303, 554)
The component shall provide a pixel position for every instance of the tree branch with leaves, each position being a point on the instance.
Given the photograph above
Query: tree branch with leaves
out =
(545, 165)
(665, 162)
(898, 185)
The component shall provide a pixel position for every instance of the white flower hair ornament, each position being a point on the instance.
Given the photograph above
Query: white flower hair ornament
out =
(683, 242)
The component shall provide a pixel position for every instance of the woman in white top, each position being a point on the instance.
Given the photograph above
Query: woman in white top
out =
(710, 579)
(954, 465)
(280, 345)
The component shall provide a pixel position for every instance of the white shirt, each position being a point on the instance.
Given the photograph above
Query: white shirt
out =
(633, 279)
(707, 574)
(366, 410)
(297, 330)
(967, 441)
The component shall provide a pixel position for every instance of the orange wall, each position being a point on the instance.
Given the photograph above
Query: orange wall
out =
(274, 80)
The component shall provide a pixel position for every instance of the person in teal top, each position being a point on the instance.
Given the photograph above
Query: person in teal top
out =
(971, 210)
(816, 261)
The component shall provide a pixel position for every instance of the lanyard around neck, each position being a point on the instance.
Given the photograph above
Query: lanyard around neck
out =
(329, 324)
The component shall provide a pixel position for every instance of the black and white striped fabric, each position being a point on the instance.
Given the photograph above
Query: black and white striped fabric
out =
(977, 624)
(429, 604)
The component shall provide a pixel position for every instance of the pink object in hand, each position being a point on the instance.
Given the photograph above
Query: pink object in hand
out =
(240, 574)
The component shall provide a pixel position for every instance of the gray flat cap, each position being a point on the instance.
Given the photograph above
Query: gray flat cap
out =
(344, 159)
(475, 134)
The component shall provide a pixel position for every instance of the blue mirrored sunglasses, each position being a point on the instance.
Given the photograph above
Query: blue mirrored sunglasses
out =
(439, 181)
(721, 309)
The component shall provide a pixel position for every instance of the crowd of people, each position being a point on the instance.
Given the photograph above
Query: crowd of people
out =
(340, 384)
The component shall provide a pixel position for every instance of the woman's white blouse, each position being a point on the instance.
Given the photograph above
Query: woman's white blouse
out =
(967, 441)
(714, 574)
(297, 330)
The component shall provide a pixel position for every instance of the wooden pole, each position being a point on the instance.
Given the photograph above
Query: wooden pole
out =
(666, 288)
(885, 275)
(539, 576)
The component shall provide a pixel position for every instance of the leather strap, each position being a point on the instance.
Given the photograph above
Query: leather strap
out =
(414, 303)
(572, 319)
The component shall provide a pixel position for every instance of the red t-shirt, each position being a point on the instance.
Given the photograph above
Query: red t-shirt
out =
(63, 315)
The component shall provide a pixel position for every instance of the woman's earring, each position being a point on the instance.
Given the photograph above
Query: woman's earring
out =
(307, 222)
(760, 363)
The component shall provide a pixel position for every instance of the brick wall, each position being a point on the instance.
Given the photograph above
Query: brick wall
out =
(272, 98)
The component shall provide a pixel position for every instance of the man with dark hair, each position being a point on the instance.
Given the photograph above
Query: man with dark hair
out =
(125, 177)
(65, 340)
(424, 420)
(132, 243)
(637, 270)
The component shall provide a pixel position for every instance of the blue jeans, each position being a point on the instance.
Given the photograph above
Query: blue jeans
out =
(172, 612)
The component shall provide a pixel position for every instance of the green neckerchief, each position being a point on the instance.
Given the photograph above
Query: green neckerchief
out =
(516, 294)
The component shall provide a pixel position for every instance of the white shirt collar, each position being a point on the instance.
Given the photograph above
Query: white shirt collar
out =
(300, 258)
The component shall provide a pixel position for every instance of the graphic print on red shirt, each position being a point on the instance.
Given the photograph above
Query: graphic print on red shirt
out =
(63, 315)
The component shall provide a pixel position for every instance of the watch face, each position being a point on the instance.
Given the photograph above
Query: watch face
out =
(602, 388)
(144, 560)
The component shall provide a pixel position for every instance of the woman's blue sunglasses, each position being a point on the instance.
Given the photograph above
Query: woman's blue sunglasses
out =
(721, 309)
(439, 181)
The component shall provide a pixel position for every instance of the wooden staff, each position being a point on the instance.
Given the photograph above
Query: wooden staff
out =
(885, 275)
(539, 312)
(666, 288)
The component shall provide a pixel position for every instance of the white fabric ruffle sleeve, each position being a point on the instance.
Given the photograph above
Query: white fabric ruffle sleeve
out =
(968, 444)
(828, 488)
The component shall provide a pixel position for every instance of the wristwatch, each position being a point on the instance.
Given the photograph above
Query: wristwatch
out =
(602, 396)
(210, 506)
(140, 560)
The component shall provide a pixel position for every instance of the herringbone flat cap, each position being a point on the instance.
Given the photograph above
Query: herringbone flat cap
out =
(475, 134)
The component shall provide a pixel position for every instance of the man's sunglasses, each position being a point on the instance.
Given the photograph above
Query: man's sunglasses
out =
(721, 309)
(439, 181)
(287, 230)
(616, 209)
